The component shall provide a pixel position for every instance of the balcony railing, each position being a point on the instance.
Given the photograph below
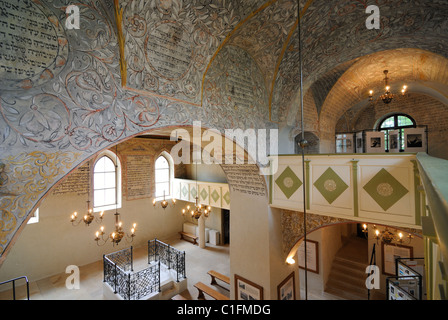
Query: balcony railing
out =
(370, 188)
(130, 285)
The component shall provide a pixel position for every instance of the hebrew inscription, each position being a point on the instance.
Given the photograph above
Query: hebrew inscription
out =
(169, 51)
(33, 47)
(138, 177)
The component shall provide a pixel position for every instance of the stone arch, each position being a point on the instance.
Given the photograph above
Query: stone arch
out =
(293, 231)
(418, 68)
(51, 169)
(313, 143)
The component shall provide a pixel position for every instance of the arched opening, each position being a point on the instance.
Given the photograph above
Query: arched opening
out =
(313, 143)
(338, 254)
(139, 158)
(395, 123)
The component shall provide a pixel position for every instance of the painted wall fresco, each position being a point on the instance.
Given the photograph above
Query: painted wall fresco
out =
(73, 104)
(70, 102)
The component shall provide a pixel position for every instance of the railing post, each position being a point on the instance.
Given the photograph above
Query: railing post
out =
(160, 289)
(129, 285)
(132, 258)
(104, 268)
(177, 267)
(169, 257)
(28, 289)
(115, 278)
(156, 250)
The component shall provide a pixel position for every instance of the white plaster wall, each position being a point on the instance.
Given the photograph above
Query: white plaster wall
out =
(48, 247)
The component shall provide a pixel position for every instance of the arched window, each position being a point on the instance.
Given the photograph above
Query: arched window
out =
(106, 183)
(163, 175)
(397, 122)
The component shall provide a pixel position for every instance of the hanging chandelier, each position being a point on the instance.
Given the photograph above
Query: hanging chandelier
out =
(164, 203)
(387, 236)
(117, 235)
(198, 210)
(88, 218)
(388, 96)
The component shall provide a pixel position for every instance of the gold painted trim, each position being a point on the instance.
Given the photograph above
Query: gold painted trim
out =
(285, 46)
(119, 20)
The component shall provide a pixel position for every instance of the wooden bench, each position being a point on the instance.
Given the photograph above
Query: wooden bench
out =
(184, 235)
(202, 288)
(216, 275)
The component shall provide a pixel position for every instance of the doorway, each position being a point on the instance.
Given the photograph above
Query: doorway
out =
(225, 218)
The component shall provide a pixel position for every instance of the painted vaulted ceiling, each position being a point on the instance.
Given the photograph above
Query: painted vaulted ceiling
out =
(138, 65)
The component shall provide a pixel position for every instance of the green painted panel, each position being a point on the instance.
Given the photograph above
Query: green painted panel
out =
(184, 191)
(288, 182)
(385, 189)
(215, 196)
(193, 192)
(330, 185)
(204, 194)
(226, 197)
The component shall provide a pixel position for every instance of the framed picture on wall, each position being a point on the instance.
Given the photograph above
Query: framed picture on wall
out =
(375, 142)
(415, 140)
(312, 256)
(247, 290)
(287, 289)
(390, 252)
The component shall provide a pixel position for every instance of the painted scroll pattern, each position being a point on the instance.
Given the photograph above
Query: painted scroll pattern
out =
(169, 43)
(29, 176)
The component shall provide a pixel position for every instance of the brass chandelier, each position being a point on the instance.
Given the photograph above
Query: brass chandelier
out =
(164, 203)
(117, 235)
(387, 236)
(388, 96)
(88, 217)
(198, 209)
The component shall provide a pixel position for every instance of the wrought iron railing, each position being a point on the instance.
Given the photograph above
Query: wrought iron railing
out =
(168, 256)
(13, 282)
(119, 272)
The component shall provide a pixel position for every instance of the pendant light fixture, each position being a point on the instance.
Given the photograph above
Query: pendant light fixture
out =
(198, 209)
(88, 217)
(388, 96)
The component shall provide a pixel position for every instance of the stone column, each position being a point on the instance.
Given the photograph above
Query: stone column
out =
(201, 226)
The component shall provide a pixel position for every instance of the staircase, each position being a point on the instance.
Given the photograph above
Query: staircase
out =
(347, 276)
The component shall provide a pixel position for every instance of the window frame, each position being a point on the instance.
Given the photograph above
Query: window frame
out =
(118, 187)
(170, 161)
(396, 126)
(34, 217)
